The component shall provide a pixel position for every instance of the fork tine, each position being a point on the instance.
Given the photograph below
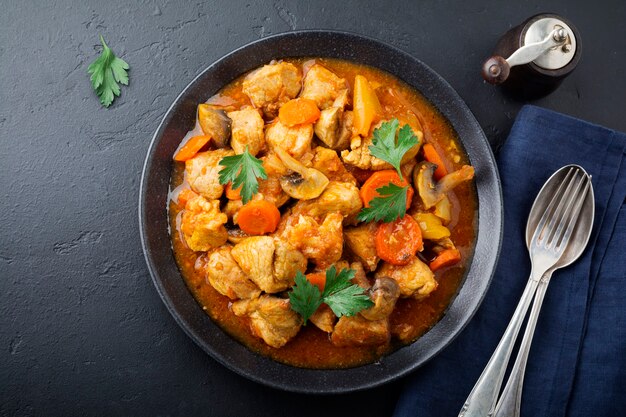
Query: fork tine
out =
(570, 201)
(550, 208)
(562, 243)
(560, 208)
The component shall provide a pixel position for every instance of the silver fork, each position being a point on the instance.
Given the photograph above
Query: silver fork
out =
(546, 247)
(509, 404)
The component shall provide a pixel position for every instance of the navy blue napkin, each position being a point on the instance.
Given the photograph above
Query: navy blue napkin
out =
(577, 363)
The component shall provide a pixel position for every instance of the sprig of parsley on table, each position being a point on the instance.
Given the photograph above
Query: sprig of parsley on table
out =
(389, 206)
(385, 146)
(343, 297)
(242, 170)
(106, 71)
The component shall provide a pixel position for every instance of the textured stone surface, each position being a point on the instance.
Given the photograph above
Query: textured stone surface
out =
(82, 329)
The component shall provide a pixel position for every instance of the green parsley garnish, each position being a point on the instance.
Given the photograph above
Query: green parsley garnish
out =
(389, 206)
(305, 297)
(343, 297)
(106, 71)
(385, 146)
(242, 170)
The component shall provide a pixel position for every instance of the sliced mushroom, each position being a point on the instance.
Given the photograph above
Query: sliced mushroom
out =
(433, 192)
(304, 183)
(214, 123)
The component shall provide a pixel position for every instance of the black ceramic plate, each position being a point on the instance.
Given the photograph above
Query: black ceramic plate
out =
(180, 118)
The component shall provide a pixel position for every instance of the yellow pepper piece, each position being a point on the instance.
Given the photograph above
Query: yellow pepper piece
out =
(366, 106)
(431, 226)
(443, 210)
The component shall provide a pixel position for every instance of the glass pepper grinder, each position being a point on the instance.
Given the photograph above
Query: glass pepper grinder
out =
(532, 59)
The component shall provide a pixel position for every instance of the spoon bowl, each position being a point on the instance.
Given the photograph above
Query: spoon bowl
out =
(582, 230)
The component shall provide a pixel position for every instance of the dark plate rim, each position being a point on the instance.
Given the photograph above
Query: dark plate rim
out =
(372, 375)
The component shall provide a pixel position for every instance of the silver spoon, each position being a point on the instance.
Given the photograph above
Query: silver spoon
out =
(549, 225)
(510, 401)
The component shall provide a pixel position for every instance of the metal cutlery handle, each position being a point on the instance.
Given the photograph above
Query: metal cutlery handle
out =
(482, 400)
(511, 398)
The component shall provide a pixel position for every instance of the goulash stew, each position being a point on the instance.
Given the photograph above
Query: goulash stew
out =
(322, 212)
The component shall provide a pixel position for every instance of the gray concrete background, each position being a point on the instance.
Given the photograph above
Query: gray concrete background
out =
(82, 330)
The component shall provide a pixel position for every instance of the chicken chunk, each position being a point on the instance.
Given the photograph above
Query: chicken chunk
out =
(287, 262)
(342, 100)
(328, 163)
(338, 197)
(269, 188)
(328, 126)
(322, 86)
(415, 279)
(203, 173)
(359, 154)
(271, 319)
(296, 140)
(247, 131)
(324, 318)
(360, 278)
(272, 85)
(322, 243)
(255, 256)
(270, 264)
(225, 275)
(358, 331)
(202, 224)
(361, 242)
(334, 128)
(384, 294)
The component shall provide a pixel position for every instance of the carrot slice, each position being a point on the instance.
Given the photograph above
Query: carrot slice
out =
(298, 111)
(382, 178)
(318, 279)
(184, 196)
(431, 155)
(366, 106)
(233, 194)
(191, 148)
(446, 258)
(398, 241)
(258, 217)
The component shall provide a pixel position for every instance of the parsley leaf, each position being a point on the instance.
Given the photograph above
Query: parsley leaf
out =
(337, 282)
(389, 206)
(242, 170)
(305, 297)
(343, 297)
(385, 147)
(348, 301)
(106, 71)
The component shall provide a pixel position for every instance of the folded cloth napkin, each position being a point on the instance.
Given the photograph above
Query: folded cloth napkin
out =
(577, 363)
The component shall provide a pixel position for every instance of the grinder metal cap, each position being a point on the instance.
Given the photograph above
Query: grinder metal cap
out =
(560, 49)
(546, 43)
